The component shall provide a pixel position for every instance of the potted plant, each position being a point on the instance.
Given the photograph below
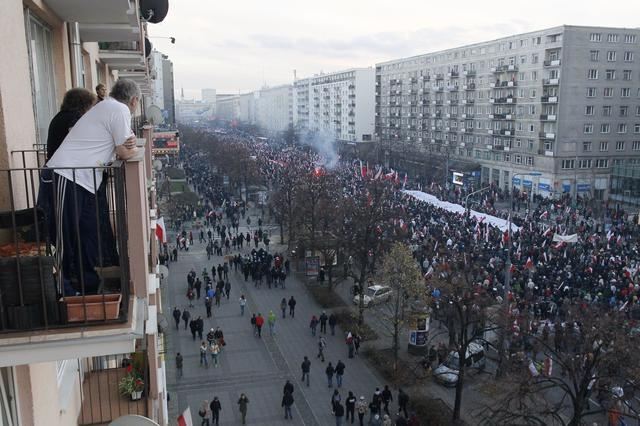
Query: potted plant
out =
(132, 384)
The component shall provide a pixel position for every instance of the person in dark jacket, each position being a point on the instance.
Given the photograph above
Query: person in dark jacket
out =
(323, 322)
(403, 401)
(176, 317)
(288, 388)
(339, 373)
(215, 411)
(185, 317)
(292, 307)
(333, 320)
(350, 405)
(306, 368)
(75, 103)
(329, 371)
(387, 397)
(287, 402)
(338, 411)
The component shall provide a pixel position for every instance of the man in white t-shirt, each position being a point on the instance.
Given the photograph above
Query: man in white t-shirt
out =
(101, 135)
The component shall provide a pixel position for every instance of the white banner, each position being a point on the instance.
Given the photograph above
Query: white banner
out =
(565, 238)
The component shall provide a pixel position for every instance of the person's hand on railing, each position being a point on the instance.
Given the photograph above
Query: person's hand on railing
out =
(128, 149)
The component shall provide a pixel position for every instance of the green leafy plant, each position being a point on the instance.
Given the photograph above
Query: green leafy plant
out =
(131, 383)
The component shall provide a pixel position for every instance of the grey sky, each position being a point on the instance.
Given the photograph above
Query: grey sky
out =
(240, 45)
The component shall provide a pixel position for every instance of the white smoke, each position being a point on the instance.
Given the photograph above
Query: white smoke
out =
(325, 146)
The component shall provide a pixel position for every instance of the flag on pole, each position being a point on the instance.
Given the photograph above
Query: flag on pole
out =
(529, 264)
(405, 181)
(184, 419)
(544, 215)
(161, 230)
(378, 174)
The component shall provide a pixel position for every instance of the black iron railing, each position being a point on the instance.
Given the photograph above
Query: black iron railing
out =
(63, 248)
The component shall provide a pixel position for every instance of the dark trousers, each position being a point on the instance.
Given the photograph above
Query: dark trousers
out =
(351, 411)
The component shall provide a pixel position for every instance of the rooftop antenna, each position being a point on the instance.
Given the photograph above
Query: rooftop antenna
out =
(295, 78)
(182, 93)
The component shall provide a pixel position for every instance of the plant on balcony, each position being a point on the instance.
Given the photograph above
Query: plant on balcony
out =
(132, 384)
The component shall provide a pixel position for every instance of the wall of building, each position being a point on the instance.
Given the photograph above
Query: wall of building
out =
(365, 104)
(274, 109)
(169, 91)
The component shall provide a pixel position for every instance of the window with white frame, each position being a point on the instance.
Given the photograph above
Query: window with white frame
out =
(568, 164)
(627, 75)
(611, 56)
(604, 146)
(625, 92)
(635, 146)
(595, 37)
(592, 74)
(605, 128)
(40, 47)
(608, 92)
(636, 128)
(624, 111)
(589, 110)
(586, 146)
(588, 128)
(610, 75)
(606, 111)
(620, 146)
(622, 128)
(584, 164)
(602, 163)
(629, 38)
(612, 38)
(628, 56)
(594, 55)
(592, 92)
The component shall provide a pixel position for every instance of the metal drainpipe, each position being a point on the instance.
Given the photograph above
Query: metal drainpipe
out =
(75, 54)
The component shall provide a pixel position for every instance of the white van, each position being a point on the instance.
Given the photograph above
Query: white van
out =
(447, 372)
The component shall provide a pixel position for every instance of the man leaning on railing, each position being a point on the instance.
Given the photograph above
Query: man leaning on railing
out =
(77, 208)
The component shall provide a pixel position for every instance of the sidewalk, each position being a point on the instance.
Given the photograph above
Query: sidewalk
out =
(257, 367)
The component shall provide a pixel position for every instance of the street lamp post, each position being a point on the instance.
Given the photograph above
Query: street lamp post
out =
(507, 275)
(466, 199)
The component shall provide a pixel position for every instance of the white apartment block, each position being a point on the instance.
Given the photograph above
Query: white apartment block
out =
(156, 74)
(563, 101)
(63, 356)
(228, 107)
(341, 104)
(247, 108)
(274, 108)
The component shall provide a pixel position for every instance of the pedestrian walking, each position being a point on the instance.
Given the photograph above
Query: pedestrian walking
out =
(292, 307)
(403, 401)
(333, 320)
(215, 407)
(193, 326)
(288, 387)
(387, 397)
(203, 355)
(203, 412)
(199, 326)
(335, 399)
(243, 303)
(176, 317)
(323, 322)
(185, 317)
(283, 307)
(313, 325)
(287, 402)
(350, 346)
(330, 371)
(214, 349)
(243, 402)
(271, 320)
(339, 373)
(208, 304)
(361, 408)
(259, 324)
(338, 412)
(179, 362)
(350, 406)
(321, 345)
(190, 296)
(227, 288)
(306, 368)
(375, 406)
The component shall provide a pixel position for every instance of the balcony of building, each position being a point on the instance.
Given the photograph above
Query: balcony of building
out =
(503, 100)
(547, 136)
(426, 78)
(467, 115)
(439, 76)
(504, 68)
(549, 99)
(104, 382)
(469, 73)
(453, 74)
(552, 63)
(452, 102)
(86, 299)
(550, 81)
(548, 117)
(507, 132)
(467, 101)
(470, 86)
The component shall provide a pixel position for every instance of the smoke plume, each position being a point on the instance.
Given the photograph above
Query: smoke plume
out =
(325, 146)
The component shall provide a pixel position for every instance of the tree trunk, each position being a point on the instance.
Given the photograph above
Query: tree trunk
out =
(281, 232)
(396, 331)
(459, 387)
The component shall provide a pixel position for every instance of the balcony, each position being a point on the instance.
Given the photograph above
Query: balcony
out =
(504, 68)
(437, 88)
(51, 309)
(123, 56)
(426, 78)
(552, 63)
(439, 76)
(467, 101)
(549, 99)
(117, 21)
(469, 73)
(507, 100)
(467, 115)
(547, 117)
(453, 74)
(507, 132)
(452, 102)
(550, 81)
(547, 135)
(470, 86)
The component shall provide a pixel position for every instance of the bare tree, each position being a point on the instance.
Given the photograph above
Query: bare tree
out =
(400, 272)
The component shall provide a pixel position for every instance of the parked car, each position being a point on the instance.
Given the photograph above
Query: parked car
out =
(374, 294)
(447, 372)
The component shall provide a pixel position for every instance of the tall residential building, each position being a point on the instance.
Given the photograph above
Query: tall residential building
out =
(274, 108)
(62, 355)
(169, 111)
(192, 111)
(563, 101)
(156, 63)
(301, 89)
(341, 104)
(209, 96)
(248, 108)
(228, 107)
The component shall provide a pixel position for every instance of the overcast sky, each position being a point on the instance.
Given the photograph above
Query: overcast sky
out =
(240, 45)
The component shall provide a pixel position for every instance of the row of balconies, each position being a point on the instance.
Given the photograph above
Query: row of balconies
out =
(498, 84)
(504, 68)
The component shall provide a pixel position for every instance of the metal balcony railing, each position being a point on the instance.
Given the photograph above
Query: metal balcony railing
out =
(63, 254)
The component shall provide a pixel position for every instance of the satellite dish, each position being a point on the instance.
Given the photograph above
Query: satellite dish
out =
(154, 115)
(133, 420)
(157, 165)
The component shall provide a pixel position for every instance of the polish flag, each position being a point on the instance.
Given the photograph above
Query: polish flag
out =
(544, 215)
(184, 419)
(161, 230)
(405, 181)
(529, 264)
(378, 174)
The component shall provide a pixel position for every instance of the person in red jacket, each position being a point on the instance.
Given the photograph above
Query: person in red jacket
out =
(259, 324)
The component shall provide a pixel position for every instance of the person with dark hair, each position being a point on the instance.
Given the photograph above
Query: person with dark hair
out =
(77, 179)
(75, 103)
(101, 92)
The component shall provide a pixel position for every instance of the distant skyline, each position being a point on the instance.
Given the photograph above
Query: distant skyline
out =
(240, 46)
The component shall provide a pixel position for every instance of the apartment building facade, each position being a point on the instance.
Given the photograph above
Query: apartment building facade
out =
(228, 107)
(339, 104)
(63, 357)
(274, 108)
(247, 107)
(563, 102)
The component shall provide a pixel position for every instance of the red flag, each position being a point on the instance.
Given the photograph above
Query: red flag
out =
(505, 237)
(161, 231)
(184, 419)
(529, 264)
